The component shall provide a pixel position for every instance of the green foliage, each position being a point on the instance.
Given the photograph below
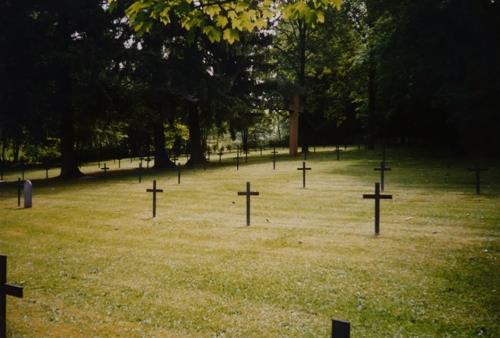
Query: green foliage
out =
(223, 19)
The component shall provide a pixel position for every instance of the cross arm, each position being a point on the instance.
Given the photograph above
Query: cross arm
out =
(12, 290)
(152, 190)
(368, 196)
(386, 197)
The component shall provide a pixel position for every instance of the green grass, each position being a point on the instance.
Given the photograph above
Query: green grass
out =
(94, 263)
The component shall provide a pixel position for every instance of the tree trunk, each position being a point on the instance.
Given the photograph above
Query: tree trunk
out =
(370, 141)
(195, 148)
(162, 159)
(294, 125)
(69, 161)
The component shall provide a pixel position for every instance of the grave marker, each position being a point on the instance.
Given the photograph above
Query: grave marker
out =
(382, 169)
(18, 192)
(341, 329)
(274, 152)
(28, 194)
(179, 173)
(304, 169)
(377, 197)
(220, 155)
(105, 168)
(237, 160)
(248, 193)
(154, 191)
(6, 290)
(477, 169)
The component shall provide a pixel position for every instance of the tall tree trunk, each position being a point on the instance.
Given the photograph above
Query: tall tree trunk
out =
(162, 159)
(370, 142)
(69, 161)
(294, 125)
(195, 148)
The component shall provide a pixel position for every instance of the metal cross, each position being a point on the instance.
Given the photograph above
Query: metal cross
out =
(154, 191)
(382, 169)
(6, 290)
(248, 193)
(178, 173)
(237, 159)
(105, 168)
(274, 152)
(304, 169)
(477, 169)
(377, 197)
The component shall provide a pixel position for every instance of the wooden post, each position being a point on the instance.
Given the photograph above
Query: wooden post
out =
(6, 290)
(341, 329)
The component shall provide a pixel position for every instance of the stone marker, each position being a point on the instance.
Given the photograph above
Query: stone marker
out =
(179, 173)
(154, 191)
(248, 193)
(28, 194)
(6, 290)
(382, 169)
(304, 169)
(341, 329)
(477, 169)
(19, 191)
(377, 197)
(274, 152)
(105, 168)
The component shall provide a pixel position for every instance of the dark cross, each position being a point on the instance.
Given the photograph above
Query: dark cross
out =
(220, 155)
(382, 169)
(477, 169)
(6, 290)
(337, 150)
(105, 168)
(377, 197)
(341, 329)
(248, 193)
(274, 152)
(148, 159)
(140, 172)
(18, 191)
(179, 173)
(154, 191)
(304, 169)
(237, 160)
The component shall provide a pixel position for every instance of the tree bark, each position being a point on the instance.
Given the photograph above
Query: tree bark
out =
(196, 152)
(162, 160)
(69, 161)
(294, 126)
(370, 141)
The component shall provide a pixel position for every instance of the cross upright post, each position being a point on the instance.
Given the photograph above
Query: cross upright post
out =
(105, 168)
(382, 169)
(18, 191)
(237, 159)
(154, 191)
(248, 193)
(477, 170)
(178, 173)
(341, 329)
(377, 197)
(6, 290)
(304, 169)
(274, 152)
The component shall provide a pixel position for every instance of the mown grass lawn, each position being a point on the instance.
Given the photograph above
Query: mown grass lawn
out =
(94, 263)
